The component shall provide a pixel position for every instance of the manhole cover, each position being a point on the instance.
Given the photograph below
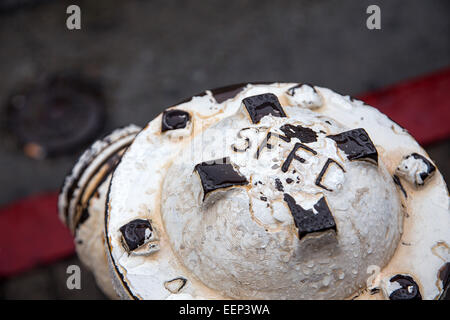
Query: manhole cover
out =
(57, 116)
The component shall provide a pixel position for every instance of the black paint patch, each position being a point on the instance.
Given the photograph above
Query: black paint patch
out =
(305, 135)
(107, 166)
(265, 142)
(133, 233)
(444, 276)
(222, 94)
(409, 289)
(356, 144)
(399, 184)
(291, 91)
(84, 165)
(323, 171)
(263, 105)
(430, 167)
(225, 93)
(279, 185)
(263, 198)
(374, 291)
(180, 282)
(289, 180)
(83, 217)
(291, 156)
(217, 174)
(174, 119)
(235, 149)
(307, 221)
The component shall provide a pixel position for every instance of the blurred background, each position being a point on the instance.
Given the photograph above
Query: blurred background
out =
(131, 59)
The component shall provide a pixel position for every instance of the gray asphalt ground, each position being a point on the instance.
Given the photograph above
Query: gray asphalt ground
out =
(151, 54)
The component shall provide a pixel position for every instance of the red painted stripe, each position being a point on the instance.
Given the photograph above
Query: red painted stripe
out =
(422, 106)
(31, 233)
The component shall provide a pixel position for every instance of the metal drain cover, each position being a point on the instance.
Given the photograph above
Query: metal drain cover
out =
(59, 115)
